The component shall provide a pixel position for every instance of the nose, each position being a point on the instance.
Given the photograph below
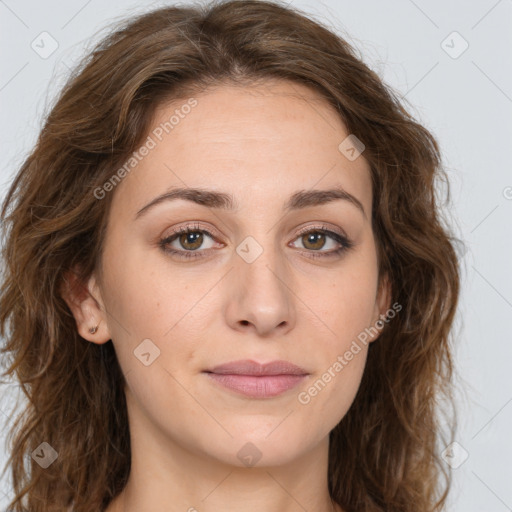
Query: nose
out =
(260, 296)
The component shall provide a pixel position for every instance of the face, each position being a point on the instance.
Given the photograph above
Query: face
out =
(260, 267)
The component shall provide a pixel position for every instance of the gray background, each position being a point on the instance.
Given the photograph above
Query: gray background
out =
(463, 97)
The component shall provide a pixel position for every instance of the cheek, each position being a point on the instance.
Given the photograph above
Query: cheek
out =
(331, 391)
(142, 291)
(343, 387)
(345, 309)
(346, 304)
(146, 298)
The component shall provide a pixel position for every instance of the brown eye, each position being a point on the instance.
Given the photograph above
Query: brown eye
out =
(191, 240)
(322, 242)
(188, 242)
(313, 240)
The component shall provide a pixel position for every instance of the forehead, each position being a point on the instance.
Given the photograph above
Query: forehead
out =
(259, 143)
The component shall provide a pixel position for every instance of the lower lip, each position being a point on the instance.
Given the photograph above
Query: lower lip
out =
(257, 386)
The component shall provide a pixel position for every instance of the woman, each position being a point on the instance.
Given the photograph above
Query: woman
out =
(228, 282)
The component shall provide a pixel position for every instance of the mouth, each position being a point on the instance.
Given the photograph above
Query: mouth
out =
(255, 380)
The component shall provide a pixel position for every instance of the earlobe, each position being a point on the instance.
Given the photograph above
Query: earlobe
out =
(88, 311)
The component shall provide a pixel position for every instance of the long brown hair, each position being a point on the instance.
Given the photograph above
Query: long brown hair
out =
(384, 454)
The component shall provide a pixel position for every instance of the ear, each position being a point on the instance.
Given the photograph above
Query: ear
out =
(382, 305)
(86, 304)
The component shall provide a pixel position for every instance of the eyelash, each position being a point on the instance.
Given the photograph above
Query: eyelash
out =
(346, 244)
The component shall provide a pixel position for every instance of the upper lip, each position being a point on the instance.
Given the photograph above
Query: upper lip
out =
(249, 367)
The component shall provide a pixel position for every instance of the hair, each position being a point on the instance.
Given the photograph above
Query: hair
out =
(384, 453)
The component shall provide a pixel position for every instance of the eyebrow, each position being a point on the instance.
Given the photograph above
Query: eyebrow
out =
(222, 200)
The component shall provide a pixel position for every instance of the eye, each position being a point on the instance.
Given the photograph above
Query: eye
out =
(314, 239)
(187, 240)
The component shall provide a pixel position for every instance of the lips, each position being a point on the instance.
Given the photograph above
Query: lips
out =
(257, 380)
(248, 367)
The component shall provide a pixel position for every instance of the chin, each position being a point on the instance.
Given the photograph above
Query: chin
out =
(248, 449)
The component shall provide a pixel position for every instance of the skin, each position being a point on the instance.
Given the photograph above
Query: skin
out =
(261, 144)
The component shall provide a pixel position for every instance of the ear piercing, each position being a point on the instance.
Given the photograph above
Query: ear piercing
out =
(92, 330)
